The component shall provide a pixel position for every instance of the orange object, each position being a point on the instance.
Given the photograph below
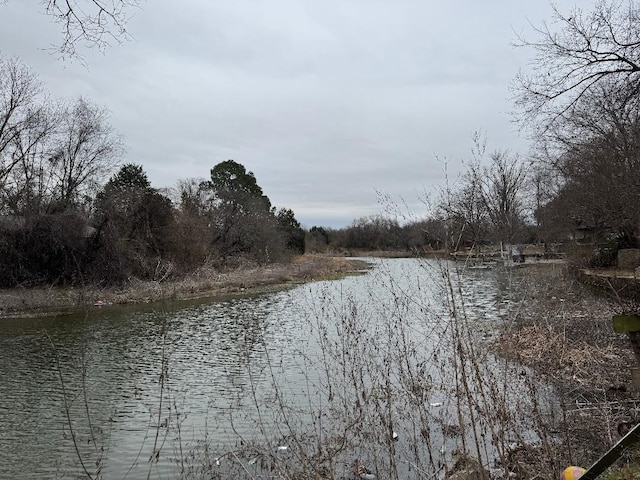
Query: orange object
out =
(572, 473)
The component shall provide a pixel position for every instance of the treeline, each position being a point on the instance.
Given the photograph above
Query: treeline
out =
(490, 203)
(61, 223)
(587, 193)
(132, 230)
(70, 213)
(581, 183)
(377, 233)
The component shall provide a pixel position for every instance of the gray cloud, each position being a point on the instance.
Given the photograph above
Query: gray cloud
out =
(326, 102)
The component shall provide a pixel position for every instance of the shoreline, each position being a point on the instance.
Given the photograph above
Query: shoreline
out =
(209, 283)
(205, 283)
(562, 328)
(557, 328)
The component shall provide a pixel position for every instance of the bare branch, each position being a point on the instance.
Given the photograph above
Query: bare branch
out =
(575, 54)
(94, 23)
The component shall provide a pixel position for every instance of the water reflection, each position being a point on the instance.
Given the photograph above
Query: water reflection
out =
(106, 367)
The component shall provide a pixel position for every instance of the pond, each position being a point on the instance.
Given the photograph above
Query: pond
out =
(182, 390)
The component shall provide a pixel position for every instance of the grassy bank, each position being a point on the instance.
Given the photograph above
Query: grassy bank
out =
(206, 282)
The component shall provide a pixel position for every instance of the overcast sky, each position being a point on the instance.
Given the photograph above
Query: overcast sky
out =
(331, 104)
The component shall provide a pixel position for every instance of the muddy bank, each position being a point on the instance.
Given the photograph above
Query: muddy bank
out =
(206, 282)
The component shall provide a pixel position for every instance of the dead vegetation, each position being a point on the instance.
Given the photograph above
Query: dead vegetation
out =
(555, 354)
(203, 283)
(405, 397)
(563, 330)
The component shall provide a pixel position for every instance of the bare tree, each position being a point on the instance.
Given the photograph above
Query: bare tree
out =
(543, 184)
(503, 185)
(601, 186)
(465, 211)
(85, 153)
(583, 101)
(193, 196)
(588, 167)
(576, 54)
(462, 206)
(26, 186)
(19, 89)
(489, 203)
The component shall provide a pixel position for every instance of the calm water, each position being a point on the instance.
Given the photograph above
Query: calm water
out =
(126, 383)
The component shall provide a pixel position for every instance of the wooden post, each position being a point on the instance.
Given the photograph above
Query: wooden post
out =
(630, 324)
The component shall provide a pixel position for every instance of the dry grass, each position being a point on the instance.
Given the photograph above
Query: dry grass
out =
(562, 330)
(550, 350)
(205, 282)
